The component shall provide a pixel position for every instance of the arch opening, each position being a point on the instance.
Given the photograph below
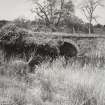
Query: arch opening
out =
(68, 50)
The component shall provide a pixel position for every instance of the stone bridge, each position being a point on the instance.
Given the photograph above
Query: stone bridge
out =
(91, 45)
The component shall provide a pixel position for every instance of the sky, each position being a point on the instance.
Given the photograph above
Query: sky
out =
(12, 9)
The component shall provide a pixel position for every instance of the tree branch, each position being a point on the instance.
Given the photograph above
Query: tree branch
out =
(44, 12)
(60, 14)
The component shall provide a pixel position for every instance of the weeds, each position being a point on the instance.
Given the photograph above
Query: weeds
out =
(53, 84)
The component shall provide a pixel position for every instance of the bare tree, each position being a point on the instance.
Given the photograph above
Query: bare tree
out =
(52, 11)
(88, 8)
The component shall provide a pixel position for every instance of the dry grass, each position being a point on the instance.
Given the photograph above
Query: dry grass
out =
(55, 85)
(71, 85)
(12, 92)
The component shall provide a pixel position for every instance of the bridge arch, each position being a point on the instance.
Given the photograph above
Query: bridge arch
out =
(68, 48)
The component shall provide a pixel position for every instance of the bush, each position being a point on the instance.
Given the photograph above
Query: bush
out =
(11, 33)
(13, 43)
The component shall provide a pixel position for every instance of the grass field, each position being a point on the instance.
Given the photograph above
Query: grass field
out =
(54, 84)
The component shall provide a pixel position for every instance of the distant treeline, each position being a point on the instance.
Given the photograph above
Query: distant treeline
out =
(75, 25)
(3, 22)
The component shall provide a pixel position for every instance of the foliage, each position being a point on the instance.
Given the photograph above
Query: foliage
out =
(3, 22)
(12, 41)
(22, 23)
(88, 8)
(11, 32)
(17, 42)
(51, 12)
(74, 23)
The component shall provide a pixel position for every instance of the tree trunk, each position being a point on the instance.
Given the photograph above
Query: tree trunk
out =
(89, 29)
(90, 25)
(73, 30)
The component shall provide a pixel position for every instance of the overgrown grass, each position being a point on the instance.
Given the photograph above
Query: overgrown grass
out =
(54, 84)
(12, 92)
(72, 85)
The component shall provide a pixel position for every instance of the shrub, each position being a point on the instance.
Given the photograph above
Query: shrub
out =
(13, 43)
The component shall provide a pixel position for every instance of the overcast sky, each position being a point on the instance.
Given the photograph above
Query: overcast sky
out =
(11, 9)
